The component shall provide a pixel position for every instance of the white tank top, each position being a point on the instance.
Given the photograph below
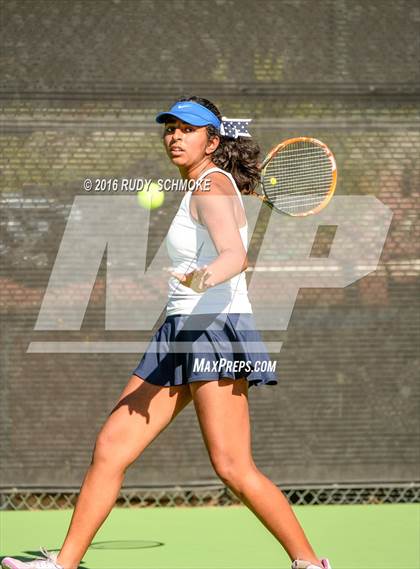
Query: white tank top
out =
(184, 239)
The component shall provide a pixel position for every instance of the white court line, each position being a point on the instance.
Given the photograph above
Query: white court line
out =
(131, 347)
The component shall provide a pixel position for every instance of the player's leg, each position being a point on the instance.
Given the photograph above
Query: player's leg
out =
(142, 412)
(223, 414)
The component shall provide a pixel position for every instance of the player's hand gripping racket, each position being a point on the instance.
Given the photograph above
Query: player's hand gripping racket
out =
(298, 176)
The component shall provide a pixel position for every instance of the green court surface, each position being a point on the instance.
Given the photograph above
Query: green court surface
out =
(352, 537)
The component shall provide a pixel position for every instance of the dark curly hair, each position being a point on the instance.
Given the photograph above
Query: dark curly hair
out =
(238, 156)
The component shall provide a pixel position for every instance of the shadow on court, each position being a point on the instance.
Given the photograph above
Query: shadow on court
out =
(98, 545)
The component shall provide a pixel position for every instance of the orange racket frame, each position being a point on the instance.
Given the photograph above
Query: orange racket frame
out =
(329, 155)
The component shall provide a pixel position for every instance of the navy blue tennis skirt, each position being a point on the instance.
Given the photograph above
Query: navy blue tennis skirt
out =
(207, 347)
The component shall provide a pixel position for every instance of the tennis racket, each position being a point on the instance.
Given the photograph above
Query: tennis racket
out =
(298, 176)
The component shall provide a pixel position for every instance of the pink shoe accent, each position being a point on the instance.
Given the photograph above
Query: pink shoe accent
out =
(10, 563)
(302, 564)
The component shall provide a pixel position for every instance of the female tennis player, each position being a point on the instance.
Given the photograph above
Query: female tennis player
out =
(207, 350)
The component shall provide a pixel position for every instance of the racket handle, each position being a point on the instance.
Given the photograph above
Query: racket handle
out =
(259, 196)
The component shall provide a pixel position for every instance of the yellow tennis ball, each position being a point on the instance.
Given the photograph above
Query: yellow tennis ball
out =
(151, 196)
(273, 181)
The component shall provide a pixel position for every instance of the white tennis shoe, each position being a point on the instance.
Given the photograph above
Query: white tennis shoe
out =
(48, 561)
(300, 564)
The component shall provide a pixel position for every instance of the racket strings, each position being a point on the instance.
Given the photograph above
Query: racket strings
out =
(284, 168)
(302, 159)
(298, 203)
(303, 176)
(302, 151)
(296, 174)
(301, 198)
(299, 177)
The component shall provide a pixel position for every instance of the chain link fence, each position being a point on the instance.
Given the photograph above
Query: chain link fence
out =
(212, 495)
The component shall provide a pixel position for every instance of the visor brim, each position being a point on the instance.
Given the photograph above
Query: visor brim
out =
(188, 118)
